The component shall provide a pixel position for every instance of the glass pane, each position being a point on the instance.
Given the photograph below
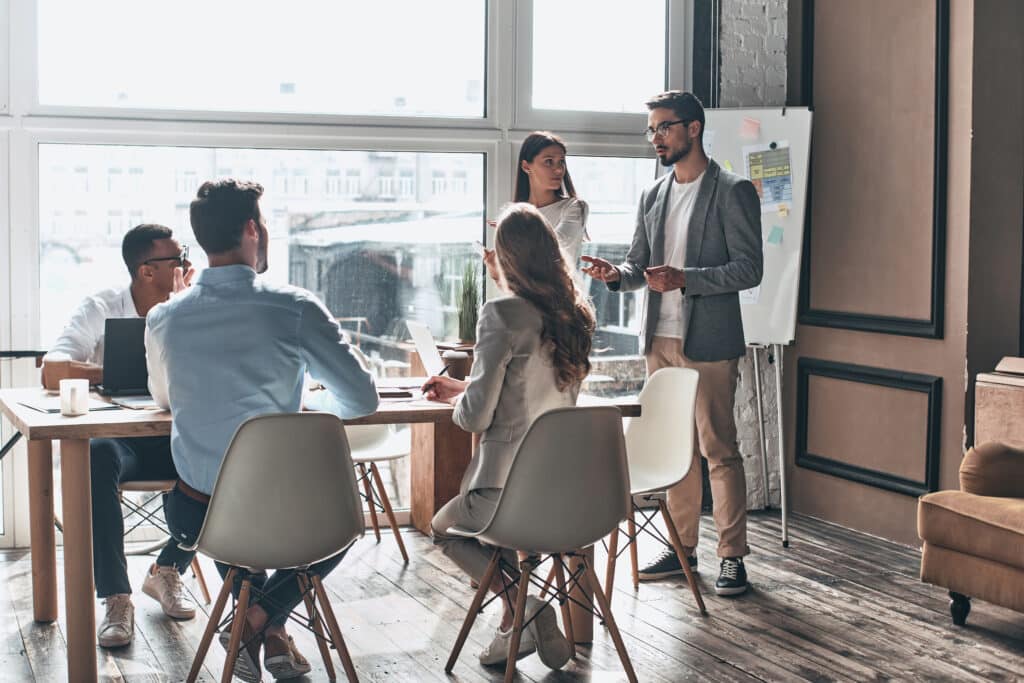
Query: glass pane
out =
(588, 56)
(380, 237)
(612, 187)
(396, 58)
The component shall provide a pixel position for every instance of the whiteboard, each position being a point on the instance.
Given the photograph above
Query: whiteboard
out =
(751, 142)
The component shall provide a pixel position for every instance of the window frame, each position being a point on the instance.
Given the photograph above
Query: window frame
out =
(25, 124)
(30, 58)
(678, 65)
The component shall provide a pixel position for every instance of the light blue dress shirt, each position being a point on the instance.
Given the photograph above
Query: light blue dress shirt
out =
(232, 347)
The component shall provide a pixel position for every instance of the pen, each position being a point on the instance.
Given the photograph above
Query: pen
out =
(443, 370)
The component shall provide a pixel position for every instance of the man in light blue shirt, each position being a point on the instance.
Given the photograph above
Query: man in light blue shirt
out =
(232, 347)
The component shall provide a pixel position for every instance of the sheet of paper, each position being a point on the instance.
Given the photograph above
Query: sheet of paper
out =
(749, 297)
(769, 169)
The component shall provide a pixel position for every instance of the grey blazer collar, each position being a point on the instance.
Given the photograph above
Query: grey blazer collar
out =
(699, 219)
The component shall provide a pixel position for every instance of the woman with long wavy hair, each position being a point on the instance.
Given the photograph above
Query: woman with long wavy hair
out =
(531, 356)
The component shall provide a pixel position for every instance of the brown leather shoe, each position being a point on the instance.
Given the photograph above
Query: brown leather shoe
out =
(247, 664)
(282, 659)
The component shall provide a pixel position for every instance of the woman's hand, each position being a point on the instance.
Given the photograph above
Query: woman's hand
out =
(445, 389)
(491, 263)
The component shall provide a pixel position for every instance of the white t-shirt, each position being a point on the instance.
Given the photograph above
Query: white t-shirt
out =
(82, 339)
(681, 198)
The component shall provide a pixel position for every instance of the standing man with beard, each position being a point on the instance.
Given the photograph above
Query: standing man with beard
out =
(697, 245)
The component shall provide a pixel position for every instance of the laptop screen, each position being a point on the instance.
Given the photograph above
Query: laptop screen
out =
(124, 357)
(426, 347)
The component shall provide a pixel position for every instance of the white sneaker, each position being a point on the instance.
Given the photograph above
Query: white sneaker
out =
(164, 585)
(552, 647)
(497, 651)
(118, 625)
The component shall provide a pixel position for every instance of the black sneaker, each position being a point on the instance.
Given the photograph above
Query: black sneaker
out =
(732, 579)
(665, 564)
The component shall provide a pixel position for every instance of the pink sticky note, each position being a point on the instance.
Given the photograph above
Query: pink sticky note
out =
(751, 128)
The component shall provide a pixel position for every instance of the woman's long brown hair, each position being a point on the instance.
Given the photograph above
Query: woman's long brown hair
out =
(534, 268)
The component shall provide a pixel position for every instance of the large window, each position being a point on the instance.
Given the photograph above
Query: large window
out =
(388, 251)
(383, 133)
(395, 58)
(612, 186)
(606, 58)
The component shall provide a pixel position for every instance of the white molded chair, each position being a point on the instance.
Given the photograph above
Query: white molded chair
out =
(370, 445)
(659, 445)
(568, 487)
(285, 498)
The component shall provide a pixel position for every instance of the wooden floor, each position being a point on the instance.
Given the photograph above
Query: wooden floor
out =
(835, 606)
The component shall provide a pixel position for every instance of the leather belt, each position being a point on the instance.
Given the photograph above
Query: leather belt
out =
(192, 493)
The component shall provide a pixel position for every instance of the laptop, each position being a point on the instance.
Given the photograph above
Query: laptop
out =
(426, 347)
(124, 358)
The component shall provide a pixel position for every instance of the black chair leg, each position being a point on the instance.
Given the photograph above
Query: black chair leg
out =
(959, 607)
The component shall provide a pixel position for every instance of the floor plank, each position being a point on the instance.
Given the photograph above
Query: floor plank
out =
(837, 605)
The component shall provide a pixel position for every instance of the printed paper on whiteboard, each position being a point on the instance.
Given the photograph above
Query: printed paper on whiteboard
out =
(770, 172)
(749, 297)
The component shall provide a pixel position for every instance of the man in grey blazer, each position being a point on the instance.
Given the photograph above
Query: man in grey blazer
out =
(697, 245)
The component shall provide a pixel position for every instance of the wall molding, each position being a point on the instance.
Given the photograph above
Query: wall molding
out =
(933, 326)
(929, 385)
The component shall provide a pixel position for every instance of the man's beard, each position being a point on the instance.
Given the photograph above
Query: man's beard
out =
(670, 160)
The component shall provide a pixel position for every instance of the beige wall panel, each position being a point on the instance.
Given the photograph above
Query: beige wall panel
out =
(867, 425)
(869, 509)
(873, 156)
(891, 515)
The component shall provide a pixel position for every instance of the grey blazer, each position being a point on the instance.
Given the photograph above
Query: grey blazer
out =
(723, 256)
(512, 382)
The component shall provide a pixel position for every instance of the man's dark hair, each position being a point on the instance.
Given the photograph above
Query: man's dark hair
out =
(686, 106)
(137, 245)
(220, 211)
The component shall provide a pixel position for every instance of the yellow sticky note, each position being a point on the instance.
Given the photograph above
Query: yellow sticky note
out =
(783, 210)
(728, 165)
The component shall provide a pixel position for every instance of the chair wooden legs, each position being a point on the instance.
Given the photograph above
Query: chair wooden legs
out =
(332, 626)
(525, 570)
(566, 611)
(613, 552)
(474, 609)
(606, 611)
(386, 502)
(317, 624)
(369, 500)
(211, 625)
(197, 572)
(237, 625)
(673, 534)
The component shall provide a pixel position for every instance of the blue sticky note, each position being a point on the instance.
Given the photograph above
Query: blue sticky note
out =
(775, 236)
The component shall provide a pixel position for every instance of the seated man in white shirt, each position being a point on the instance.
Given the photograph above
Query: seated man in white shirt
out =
(158, 266)
(231, 347)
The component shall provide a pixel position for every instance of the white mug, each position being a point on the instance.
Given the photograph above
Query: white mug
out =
(74, 397)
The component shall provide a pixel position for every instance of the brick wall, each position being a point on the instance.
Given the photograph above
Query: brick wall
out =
(753, 74)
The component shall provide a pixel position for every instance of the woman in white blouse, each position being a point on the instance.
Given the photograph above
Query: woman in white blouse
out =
(542, 179)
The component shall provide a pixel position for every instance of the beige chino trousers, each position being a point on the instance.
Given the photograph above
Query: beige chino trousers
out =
(716, 442)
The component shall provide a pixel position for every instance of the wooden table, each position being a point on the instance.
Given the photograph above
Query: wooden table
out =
(440, 453)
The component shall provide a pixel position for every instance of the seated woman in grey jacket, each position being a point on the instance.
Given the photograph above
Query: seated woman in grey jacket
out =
(531, 356)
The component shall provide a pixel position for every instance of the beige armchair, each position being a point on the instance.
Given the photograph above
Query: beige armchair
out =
(974, 537)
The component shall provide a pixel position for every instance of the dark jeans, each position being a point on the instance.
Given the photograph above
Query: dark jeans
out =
(278, 594)
(111, 462)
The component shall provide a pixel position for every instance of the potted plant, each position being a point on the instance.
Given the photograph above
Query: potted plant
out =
(469, 303)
